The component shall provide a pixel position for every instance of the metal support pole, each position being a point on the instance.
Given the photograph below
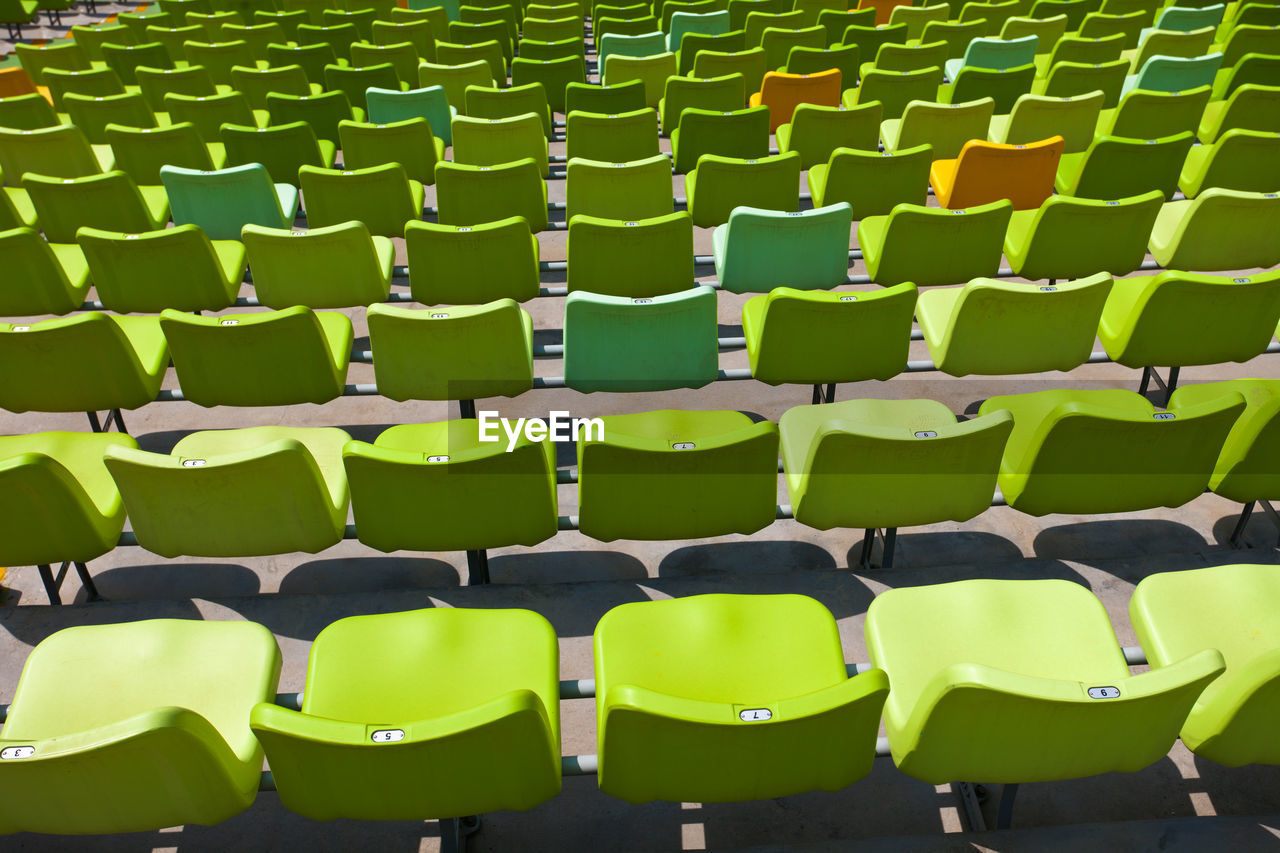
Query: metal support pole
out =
(477, 567)
(1146, 381)
(94, 423)
(1004, 812)
(51, 584)
(467, 409)
(1234, 541)
(1172, 383)
(971, 797)
(454, 832)
(868, 541)
(90, 588)
(824, 394)
(890, 539)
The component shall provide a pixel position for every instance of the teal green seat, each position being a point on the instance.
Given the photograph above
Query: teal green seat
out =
(270, 358)
(323, 112)
(257, 83)
(335, 266)
(995, 53)
(1185, 19)
(639, 189)
(1250, 107)
(491, 102)
(1175, 318)
(210, 113)
(225, 201)
(713, 94)
(614, 137)
(1036, 117)
(282, 149)
(992, 679)
(998, 328)
(454, 80)
(676, 475)
(465, 352)
(1218, 230)
(87, 362)
(27, 112)
(1152, 115)
(873, 183)
(631, 259)
(758, 250)
(772, 183)
(945, 127)
(721, 698)
(1175, 73)
(1045, 242)
(750, 63)
(468, 265)
(740, 133)
(177, 268)
(494, 141)
(889, 463)
(555, 75)
(146, 723)
(608, 100)
(141, 152)
(1115, 167)
(1246, 470)
(1073, 79)
(1104, 451)
(818, 337)
(382, 674)
(895, 89)
(623, 344)
(383, 197)
(1003, 85)
(682, 23)
(1246, 160)
(816, 131)
(930, 246)
(43, 278)
(237, 492)
(110, 200)
(387, 106)
(470, 195)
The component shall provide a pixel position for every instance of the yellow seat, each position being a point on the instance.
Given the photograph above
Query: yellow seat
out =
(989, 171)
(782, 93)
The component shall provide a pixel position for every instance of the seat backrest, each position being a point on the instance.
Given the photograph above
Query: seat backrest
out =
(1047, 30)
(93, 114)
(614, 138)
(174, 268)
(1178, 74)
(635, 259)
(322, 111)
(1248, 38)
(1099, 24)
(894, 90)
(335, 266)
(618, 44)
(1244, 160)
(469, 195)
(403, 58)
(1116, 167)
(1087, 50)
(934, 246)
(725, 183)
(1227, 230)
(1184, 19)
(724, 93)
(778, 43)
(639, 189)
(223, 201)
(1255, 68)
(1005, 85)
(816, 131)
(808, 250)
(1116, 230)
(27, 112)
(353, 82)
(467, 265)
(155, 83)
(381, 196)
(757, 22)
(999, 54)
(431, 103)
(1073, 118)
(493, 141)
(1075, 79)
(255, 82)
(100, 81)
(141, 152)
(126, 59)
(956, 34)
(219, 57)
(209, 113)
(35, 59)
(493, 102)
(916, 17)
(280, 148)
(874, 182)
(1184, 44)
(947, 127)
(39, 284)
(987, 171)
(607, 100)
(110, 200)
(782, 92)
(1250, 106)
(910, 57)
(733, 133)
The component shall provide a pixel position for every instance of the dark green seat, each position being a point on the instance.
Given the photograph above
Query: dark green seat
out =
(1115, 167)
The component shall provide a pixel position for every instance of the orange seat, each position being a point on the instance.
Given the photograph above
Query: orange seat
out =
(989, 171)
(16, 81)
(782, 93)
(884, 8)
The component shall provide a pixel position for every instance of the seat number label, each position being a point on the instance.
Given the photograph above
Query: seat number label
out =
(192, 463)
(437, 458)
(683, 445)
(755, 715)
(926, 433)
(387, 736)
(1104, 692)
(848, 299)
(17, 752)
(1164, 416)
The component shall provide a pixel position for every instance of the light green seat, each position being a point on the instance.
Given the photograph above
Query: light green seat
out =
(99, 82)
(175, 268)
(917, 17)
(624, 344)
(218, 58)
(742, 133)
(551, 29)
(353, 82)
(1151, 115)
(894, 89)
(778, 43)
(384, 673)
(339, 37)
(992, 678)
(817, 337)
(42, 279)
(492, 142)
(1166, 43)
(403, 57)
(1256, 68)
(420, 34)
(1251, 107)
(144, 723)
(383, 197)
(869, 38)
(613, 138)
(609, 100)
(995, 14)
(173, 40)
(640, 189)
(816, 131)
(1105, 451)
(955, 33)
(997, 328)
(91, 38)
(631, 259)
(772, 183)
(1003, 85)
(270, 358)
(652, 70)
(110, 200)
(1045, 242)
(1036, 117)
(209, 113)
(141, 152)
(92, 114)
(1175, 73)
(714, 94)
(889, 463)
(873, 183)
(468, 265)
(1218, 230)
(930, 246)
(237, 493)
(758, 250)
(758, 21)
(27, 112)
(1129, 25)
(906, 57)
(682, 23)
(750, 63)
(409, 143)
(719, 698)
(87, 362)
(1074, 79)
(492, 102)
(946, 127)
(225, 201)
(1048, 31)
(324, 112)
(57, 54)
(311, 57)
(335, 266)
(1246, 160)
(470, 195)
(668, 475)
(282, 149)
(257, 83)
(125, 60)
(432, 103)
(258, 36)
(1177, 318)
(994, 53)
(812, 60)
(464, 352)
(1116, 167)
(1246, 470)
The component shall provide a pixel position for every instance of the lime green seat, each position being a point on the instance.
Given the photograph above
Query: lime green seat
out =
(145, 724)
(282, 149)
(35, 59)
(1074, 79)
(916, 17)
(87, 362)
(209, 113)
(1246, 470)
(721, 698)
(1261, 69)
(758, 250)
(366, 56)
(555, 75)
(870, 39)
(1218, 230)
(237, 492)
(946, 127)
(676, 475)
(492, 102)
(353, 82)
(177, 268)
(873, 183)
(633, 45)
(999, 328)
(455, 79)
(1151, 115)
(652, 70)
(460, 353)
(733, 133)
(1115, 167)
(1128, 25)
(614, 137)
(906, 57)
(714, 94)
(257, 83)
(772, 183)
(408, 142)
(42, 278)
(468, 265)
(258, 36)
(93, 114)
(432, 103)
(223, 202)
(141, 152)
(324, 112)
(383, 197)
(173, 40)
(218, 58)
(110, 200)
(955, 33)
(696, 43)
(335, 266)
(312, 58)
(894, 89)
(1169, 43)
(27, 112)
(811, 60)
(1047, 30)
(608, 100)
(631, 259)
(1250, 107)
(930, 246)
(1105, 451)
(1246, 160)
(640, 189)
(492, 142)
(433, 713)
(1036, 117)
(470, 195)
(339, 37)
(125, 60)
(1020, 681)
(750, 63)
(100, 82)
(1176, 318)
(619, 343)
(420, 34)
(1045, 242)
(816, 131)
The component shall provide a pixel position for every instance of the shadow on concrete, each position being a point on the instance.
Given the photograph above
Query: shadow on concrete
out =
(536, 567)
(1117, 538)
(750, 557)
(31, 624)
(1260, 537)
(917, 550)
(368, 574)
(175, 580)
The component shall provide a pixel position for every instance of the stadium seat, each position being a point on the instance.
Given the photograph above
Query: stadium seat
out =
(383, 197)
(782, 93)
(873, 183)
(995, 14)
(1004, 86)
(402, 56)
(777, 44)
(714, 94)
(811, 60)
(725, 183)
(633, 45)
(339, 37)
(258, 36)
(946, 127)
(223, 202)
(1247, 160)
(420, 34)
(759, 249)
(894, 89)
(1036, 117)
(141, 151)
(470, 195)
(27, 112)
(336, 266)
(387, 106)
(612, 138)
(1114, 167)
(492, 142)
(929, 246)
(917, 17)
(353, 82)
(410, 143)
(639, 189)
(751, 64)
(1170, 43)
(815, 132)
(282, 149)
(312, 58)
(92, 114)
(44, 278)
(759, 21)
(209, 113)
(1246, 469)
(1218, 230)
(711, 23)
(455, 79)
(110, 200)
(1045, 242)
(907, 57)
(740, 133)
(608, 100)
(632, 259)
(324, 112)
(177, 268)
(1175, 73)
(126, 59)
(1253, 68)
(556, 74)
(653, 70)
(99, 82)
(492, 102)
(1152, 115)
(468, 265)
(1100, 25)
(994, 53)
(955, 33)
(1048, 31)
(218, 58)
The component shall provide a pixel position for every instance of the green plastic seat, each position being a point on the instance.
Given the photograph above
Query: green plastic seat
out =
(36, 58)
(1250, 107)
(237, 492)
(455, 79)
(464, 352)
(1218, 230)
(1104, 451)
(287, 20)
(1036, 117)
(816, 131)
(995, 14)
(930, 246)
(177, 268)
(44, 278)
(957, 34)
(714, 94)
(751, 64)
(87, 362)
(997, 328)
(945, 127)
(470, 195)
(312, 58)
(489, 52)
(994, 53)
(667, 475)
(631, 259)
(324, 112)
(211, 22)
(758, 21)
(555, 75)
(835, 21)
(1184, 19)
(27, 112)
(147, 722)
(219, 58)
(1256, 68)
(1238, 160)
(1048, 31)
(172, 38)
(809, 60)
(895, 89)
(353, 82)
(1152, 115)
(614, 138)
(97, 82)
(141, 152)
(210, 113)
(110, 200)
(125, 60)
(409, 143)
(1115, 167)
(362, 19)
(992, 679)
(652, 70)
(281, 149)
(758, 250)
(916, 17)
(695, 43)
(492, 142)
(638, 189)
(420, 34)
(93, 114)
(608, 100)
(871, 182)
(1075, 79)
(155, 83)
(742, 133)
(505, 715)
(907, 57)
(889, 463)
(1246, 468)
(1175, 73)
(870, 39)
(271, 358)
(257, 36)
(817, 337)
(1246, 38)
(336, 266)
(683, 23)
(492, 102)
(339, 37)
(432, 103)
(1100, 25)
(224, 201)
(1045, 242)
(137, 22)
(1075, 10)
(383, 197)
(256, 83)
(778, 43)
(1176, 318)
(719, 698)
(467, 33)
(1185, 44)
(468, 265)
(551, 29)
(772, 183)
(643, 25)
(625, 344)
(403, 57)
(1004, 85)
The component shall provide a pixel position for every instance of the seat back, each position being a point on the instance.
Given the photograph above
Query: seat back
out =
(110, 200)
(933, 246)
(817, 131)
(1100, 25)
(1046, 30)
(1244, 160)
(606, 100)
(126, 59)
(615, 138)
(1250, 106)
(336, 266)
(223, 201)
(1075, 79)
(916, 17)
(281, 148)
(431, 103)
(1005, 85)
(493, 102)
(58, 152)
(778, 43)
(209, 113)
(353, 82)
(682, 23)
(174, 268)
(173, 39)
(93, 114)
(417, 33)
(956, 34)
(27, 112)
(493, 141)
(1174, 44)
(639, 189)
(1000, 54)
(894, 90)
(807, 250)
(1115, 167)
(323, 112)
(141, 152)
(726, 183)
(1074, 118)
(694, 43)
(155, 83)
(409, 143)
(910, 57)
(1227, 230)
(311, 57)
(1151, 115)
(402, 57)
(39, 283)
(255, 82)
(98, 82)
(946, 127)
(257, 36)
(1183, 19)
(719, 94)
(733, 133)
(632, 259)
(988, 171)
(469, 195)
(1116, 230)
(781, 93)
(873, 183)
(468, 265)
(35, 59)
(219, 57)
(340, 37)
(1178, 74)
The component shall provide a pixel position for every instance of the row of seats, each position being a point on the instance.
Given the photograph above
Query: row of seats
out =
(710, 698)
